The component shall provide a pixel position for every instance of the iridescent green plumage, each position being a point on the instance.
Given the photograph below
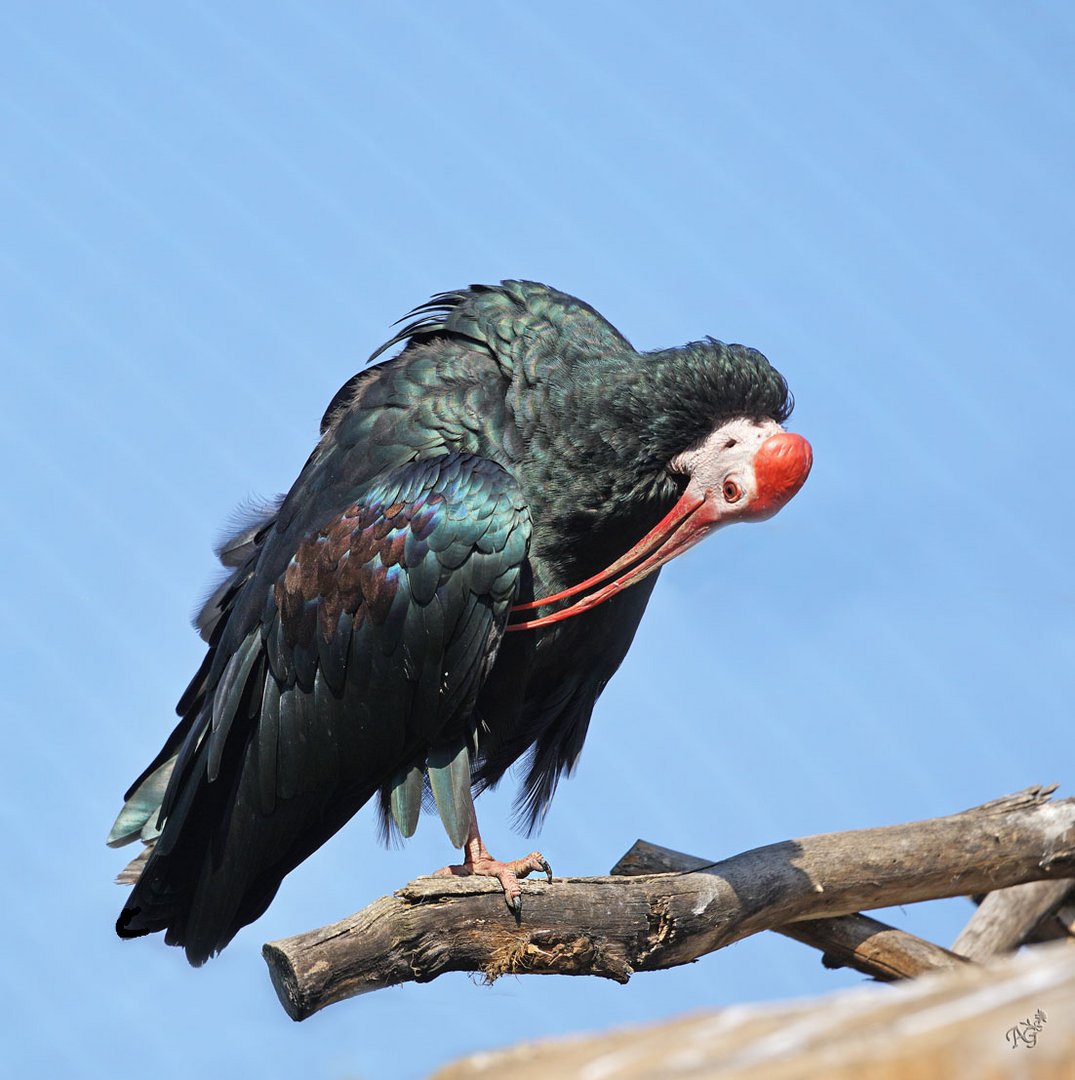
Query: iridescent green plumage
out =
(515, 446)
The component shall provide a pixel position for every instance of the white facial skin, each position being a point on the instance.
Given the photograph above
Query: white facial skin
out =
(723, 486)
(723, 463)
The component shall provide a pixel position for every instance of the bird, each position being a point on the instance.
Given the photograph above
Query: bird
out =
(446, 589)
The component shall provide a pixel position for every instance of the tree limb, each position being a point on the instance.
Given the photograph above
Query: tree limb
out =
(856, 941)
(615, 926)
(1006, 918)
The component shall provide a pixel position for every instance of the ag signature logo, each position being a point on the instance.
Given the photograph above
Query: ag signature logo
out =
(1026, 1032)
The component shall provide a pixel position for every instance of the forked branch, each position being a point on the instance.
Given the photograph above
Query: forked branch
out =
(857, 941)
(614, 926)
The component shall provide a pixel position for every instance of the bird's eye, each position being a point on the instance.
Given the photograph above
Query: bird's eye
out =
(732, 491)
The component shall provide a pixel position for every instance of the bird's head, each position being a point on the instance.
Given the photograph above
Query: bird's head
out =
(743, 470)
(609, 437)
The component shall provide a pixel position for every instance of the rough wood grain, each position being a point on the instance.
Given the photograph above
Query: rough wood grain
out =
(1008, 917)
(615, 926)
(872, 947)
(856, 941)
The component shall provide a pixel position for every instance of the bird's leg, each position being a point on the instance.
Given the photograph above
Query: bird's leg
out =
(478, 861)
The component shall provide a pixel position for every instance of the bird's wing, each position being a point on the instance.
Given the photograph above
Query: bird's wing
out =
(359, 674)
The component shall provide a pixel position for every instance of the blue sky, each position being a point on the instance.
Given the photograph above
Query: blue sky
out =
(211, 214)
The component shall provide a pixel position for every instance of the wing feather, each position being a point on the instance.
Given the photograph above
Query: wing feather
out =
(228, 696)
(268, 736)
(352, 667)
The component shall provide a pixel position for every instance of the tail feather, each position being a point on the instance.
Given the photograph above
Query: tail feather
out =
(138, 818)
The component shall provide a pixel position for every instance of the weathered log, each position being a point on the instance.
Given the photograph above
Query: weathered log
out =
(856, 941)
(615, 926)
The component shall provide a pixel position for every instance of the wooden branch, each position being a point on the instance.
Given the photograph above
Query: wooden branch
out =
(1006, 918)
(872, 947)
(615, 926)
(856, 941)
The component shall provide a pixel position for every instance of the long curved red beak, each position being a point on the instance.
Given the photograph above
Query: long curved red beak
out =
(781, 467)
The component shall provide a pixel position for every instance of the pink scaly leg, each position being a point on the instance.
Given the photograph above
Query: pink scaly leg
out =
(479, 861)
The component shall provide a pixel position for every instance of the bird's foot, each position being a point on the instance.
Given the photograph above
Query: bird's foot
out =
(482, 864)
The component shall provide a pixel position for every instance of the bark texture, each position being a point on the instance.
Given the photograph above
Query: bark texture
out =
(857, 941)
(614, 926)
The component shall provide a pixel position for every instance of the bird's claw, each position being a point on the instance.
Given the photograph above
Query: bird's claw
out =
(535, 861)
(517, 870)
(509, 874)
